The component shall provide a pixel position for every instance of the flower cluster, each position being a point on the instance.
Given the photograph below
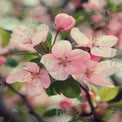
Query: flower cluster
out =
(61, 59)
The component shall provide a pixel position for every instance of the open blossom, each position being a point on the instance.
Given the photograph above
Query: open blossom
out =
(101, 46)
(115, 27)
(25, 38)
(97, 72)
(64, 61)
(35, 78)
(64, 22)
(94, 5)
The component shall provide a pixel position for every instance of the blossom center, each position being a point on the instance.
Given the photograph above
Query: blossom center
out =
(89, 72)
(63, 61)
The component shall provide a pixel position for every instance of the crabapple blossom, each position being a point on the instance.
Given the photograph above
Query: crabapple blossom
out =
(64, 61)
(25, 38)
(114, 27)
(94, 5)
(96, 72)
(64, 22)
(35, 78)
(101, 46)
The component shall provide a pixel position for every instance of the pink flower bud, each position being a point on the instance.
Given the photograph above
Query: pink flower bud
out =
(95, 58)
(64, 22)
(65, 104)
(2, 60)
(83, 104)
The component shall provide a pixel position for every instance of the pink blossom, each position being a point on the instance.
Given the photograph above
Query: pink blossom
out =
(35, 78)
(25, 38)
(101, 46)
(64, 61)
(96, 72)
(115, 27)
(2, 60)
(94, 5)
(64, 22)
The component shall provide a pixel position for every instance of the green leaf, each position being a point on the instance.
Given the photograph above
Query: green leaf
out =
(17, 86)
(72, 88)
(69, 88)
(116, 105)
(11, 62)
(107, 115)
(53, 112)
(108, 94)
(26, 53)
(5, 37)
(36, 60)
(49, 40)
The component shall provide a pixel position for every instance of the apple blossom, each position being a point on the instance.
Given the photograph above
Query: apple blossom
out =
(64, 22)
(64, 61)
(35, 78)
(96, 72)
(25, 38)
(101, 46)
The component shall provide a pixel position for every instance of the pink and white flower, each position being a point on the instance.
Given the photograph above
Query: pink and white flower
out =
(25, 38)
(101, 46)
(97, 72)
(64, 22)
(64, 61)
(35, 78)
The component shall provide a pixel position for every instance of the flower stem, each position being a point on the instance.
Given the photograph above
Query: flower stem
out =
(57, 32)
(38, 50)
(96, 117)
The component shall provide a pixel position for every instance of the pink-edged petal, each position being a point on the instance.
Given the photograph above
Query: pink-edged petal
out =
(103, 51)
(31, 67)
(79, 55)
(95, 58)
(25, 47)
(91, 64)
(20, 76)
(106, 68)
(76, 64)
(60, 74)
(45, 79)
(40, 35)
(34, 87)
(50, 62)
(75, 67)
(61, 48)
(106, 41)
(98, 79)
(79, 37)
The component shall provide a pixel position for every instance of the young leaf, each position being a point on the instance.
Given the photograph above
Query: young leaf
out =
(108, 94)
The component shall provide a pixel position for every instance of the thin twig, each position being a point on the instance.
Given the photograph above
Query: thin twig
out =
(96, 118)
(31, 111)
(6, 113)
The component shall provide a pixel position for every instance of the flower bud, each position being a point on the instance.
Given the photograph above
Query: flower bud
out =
(64, 22)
